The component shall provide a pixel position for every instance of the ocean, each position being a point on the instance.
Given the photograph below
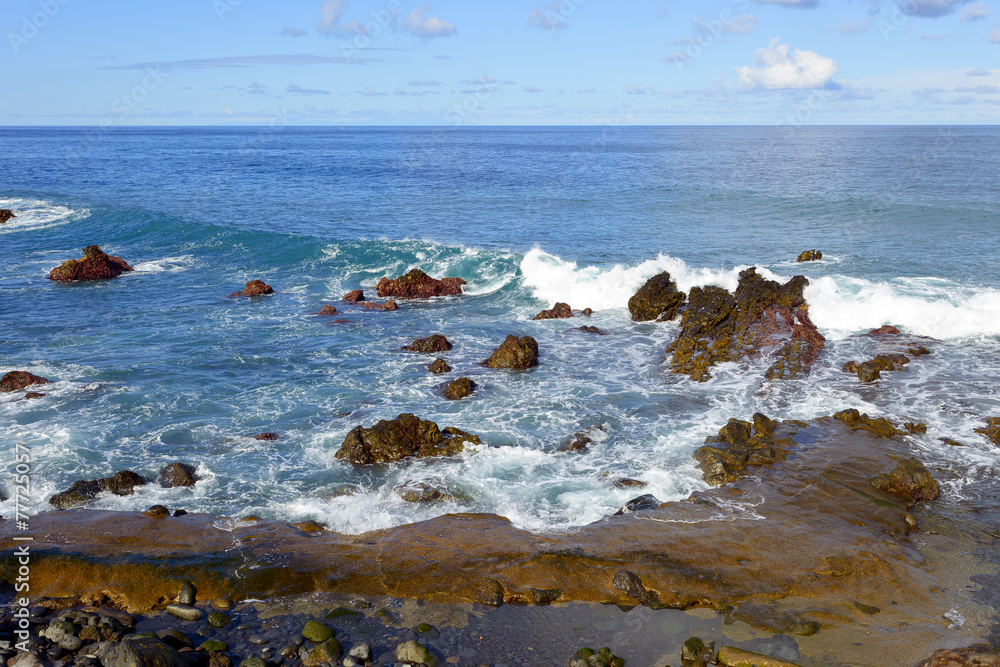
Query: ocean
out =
(159, 366)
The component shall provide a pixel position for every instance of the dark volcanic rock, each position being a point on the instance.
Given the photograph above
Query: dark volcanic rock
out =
(659, 299)
(267, 436)
(120, 484)
(910, 479)
(490, 592)
(809, 256)
(254, 288)
(643, 502)
(95, 265)
(418, 285)
(628, 583)
(459, 388)
(439, 366)
(590, 330)
(399, 438)
(18, 380)
(558, 311)
(177, 474)
(578, 441)
(514, 352)
(144, 652)
(881, 427)
(327, 309)
(761, 317)
(422, 491)
(354, 296)
(5, 215)
(869, 371)
(429, 345)
(385, 305)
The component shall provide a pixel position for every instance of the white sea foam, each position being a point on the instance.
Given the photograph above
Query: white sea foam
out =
(166, 264)
(34, 214)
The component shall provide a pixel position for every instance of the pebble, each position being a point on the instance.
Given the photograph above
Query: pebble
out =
(257, 639)
(188, 592)
(185, 612)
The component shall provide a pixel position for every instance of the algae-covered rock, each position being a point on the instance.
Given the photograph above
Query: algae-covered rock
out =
(95, 265)
(738, 444)
(329, 651)
(517, 353)
(459, 388)
(862, 422)
(144, 652)
(658, 299)
(439, 366)
(18, 380)
(418, 285)
(975, 656)
(429, 345)
(121, 484)
(559, 311)
(415, 653)
(490, 592)
(405, 436)
(420, 491)
(910, 479)
(218, 619)
(629, 583)
(737, 657)
(545, 595)
(317, 632)
(991, 430)
(695, 652)
(809, 256)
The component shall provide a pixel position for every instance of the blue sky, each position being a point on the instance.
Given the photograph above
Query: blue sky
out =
(592, 62)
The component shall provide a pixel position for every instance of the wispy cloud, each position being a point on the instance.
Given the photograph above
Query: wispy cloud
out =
(292, 88)
(293, 32)
(777, 67)
(550, 17)
(994, 37)
(976, 12)
(371, 91)
(483, 80)
(257, 89)
(333, 11)
(978, 71)
(738, 25)
(804, 4)
(423, 83)
(421, 25)
(935, 37)
(246, 61)
(855, 27)
(979, 90)
(932, 9)
(532, 89)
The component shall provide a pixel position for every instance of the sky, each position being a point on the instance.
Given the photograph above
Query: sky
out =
(453, 63)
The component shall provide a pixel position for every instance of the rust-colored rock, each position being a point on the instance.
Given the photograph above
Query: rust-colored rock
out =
(403, 437)
(121, 484)
(856, 421)
(762, 317)
(18, 380)
(327, 309)
(429, 345)
(559, 311)
(354, 296)
(418, 285)
(517, 353)
(884, 330)
(910, 479)
(659, 299)
(267, 436)
(976, 656)
(385, 305)
(95, 265)
(439, 366)
(5, 215)
(254, 288)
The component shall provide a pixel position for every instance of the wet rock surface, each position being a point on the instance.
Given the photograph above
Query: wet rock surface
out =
(95, 265)
(254, 288)
(429, 345)
(405, 436)
(327, 309)
(18, 380)
(5, 215)
(418, 285)
(659, 299)
(389, 305)
(559, 311)
(460, 388)
(809, 256)
(515, 353)
(354, 296)
(121, 484)
(177, 474)
(439, 366)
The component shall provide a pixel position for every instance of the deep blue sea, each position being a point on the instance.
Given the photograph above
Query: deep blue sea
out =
(159, 366)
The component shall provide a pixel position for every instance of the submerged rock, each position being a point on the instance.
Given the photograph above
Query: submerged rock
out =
(423, 491)
(975, 656)
(386, 305)
(439, 366)
(991, 430)
(658, 299)
(429, 345)
(910, 479)
(253, 288)
(270, 437)
(121, 484)
(459, 388)
(559, 311)
(869, 371)
(490, 592)
(177, 474)
(762, 317)
(884, 330)
(405, 436)
(644, 502)
(418, 285)
(18, 380)
(590, 330)
(354, 296)
(738, 445)
(95, 265)
(5, 215)
(809, 256)
(327, 309)
(579, 441)
(519, 353)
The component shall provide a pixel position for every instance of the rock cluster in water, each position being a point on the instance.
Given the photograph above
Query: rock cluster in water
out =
(559, 311)
(5, 215)
(418, 285)
(809, 256)
(659, 299)
(405, 436)
(517, 353)
(739, 444)
(429, 345)
(95, 265)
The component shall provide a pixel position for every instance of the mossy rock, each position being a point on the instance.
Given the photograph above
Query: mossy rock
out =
(317, 632)
(218, 619)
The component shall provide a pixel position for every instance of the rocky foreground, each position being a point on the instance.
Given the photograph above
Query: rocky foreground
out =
(810, 542)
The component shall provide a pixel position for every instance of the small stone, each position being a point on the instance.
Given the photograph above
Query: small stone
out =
(174, 637)
(71, 644)
(459, 389)
(628, 583)
(177, 474)
(545, 595)
(254, 662)
(316, 632)
(214, 645)
(327, 309)
(422, 628)
(180, 512)
(258, 640)
(59, 630)
(416, 653)
(268, 437)
(222, 603)
(289, 651)
(354, 296)
(217, 619)
(490, 592)
(157, 511)
(185, 612)
(188, 593)
(362, 651)
(329, 651)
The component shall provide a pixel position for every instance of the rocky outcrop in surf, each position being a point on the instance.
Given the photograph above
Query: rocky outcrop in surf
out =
(991, 430)
(5, 215)
(809, 256)
(354, 296)
(739, 444)
(95, 265)
(439, 366)
(18, 380)
(871, 370)
(910, 479)
(559, 311)
(761, 317)
(385, 305)
(429, 345)
(517, 353)
(121, 484)
(460, 388)
(659, 299)
(418, 285)
(327, 309)
(177, 474)
(406, 436)
(254, 288)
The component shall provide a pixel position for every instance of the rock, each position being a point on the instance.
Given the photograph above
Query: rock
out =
(416, 653)
(950, 442)
(519, 353)
(354, 296)
(329, 652)
(915, 427)
(402, 437)
(388, 305)
(32, 395)
(71, 644)
(185, 612)
(628, 583)
(737, 657)
(177, 474)
(214, 645)
(439, 366)
(18, 380)
(459, 388)
(917, 351)
(695, 653)
(991, 430)
(418, 491)
(976, 656)
(738, 444)
(267, 436)
(490, 592)
(545, 595)
(254, 662)
(559, 311)
(884, 330)
(58, 630)
(144, 652)
(418, 285)
(157, 511)
(218, 619)
(429, 345)
(578, 441)
(317, 632)
(761, 317)
(95, 265)
(643, 502)
(910, 479)
(180, 512)
(174, 638)
(869, 371)
(590, 330)
(862, 422)
(327, 309)
(627, 483)
(809, 256)
(5, 215)
(659, 299)
(310, 526)
(254, 288)
(362, 652)
(121, 484)
(587, 311)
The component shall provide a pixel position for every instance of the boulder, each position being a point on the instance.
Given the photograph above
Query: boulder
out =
(881, 427)
(177, 474)
(386, 305)
(403, 437)
(327, 309)
(439, 366)
(520, 353)
(254, 288)
(144, 652)
(270, 437)
(459, 388)
(157, 511)
(95, 265)
(644, 502)
(809, 256)
(418, 285)
(121, 484)
(910, 479)
(429, 345)
(18, 380)
(869, 371)
(422, 491)
(884, 330)
(578, 441)
(414, 653)
(761, 317)
(590, 330)
(490, 592)
(354, 296)
(5, 215)
(559, 311)
(659, 299)
(628, 583)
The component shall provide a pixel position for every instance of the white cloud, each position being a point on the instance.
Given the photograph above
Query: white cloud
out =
(293, 32)
(978, 71)
(292, 88)
(483, 80)
(551, 17)
(931, 9)
(976, 12)
(532, 89)
(333, 11)
(994, 37)
(851, 27)
(805, 4)
(777, 68)
(421, 25)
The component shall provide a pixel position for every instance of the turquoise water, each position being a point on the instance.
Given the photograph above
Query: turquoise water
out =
(159, 366)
